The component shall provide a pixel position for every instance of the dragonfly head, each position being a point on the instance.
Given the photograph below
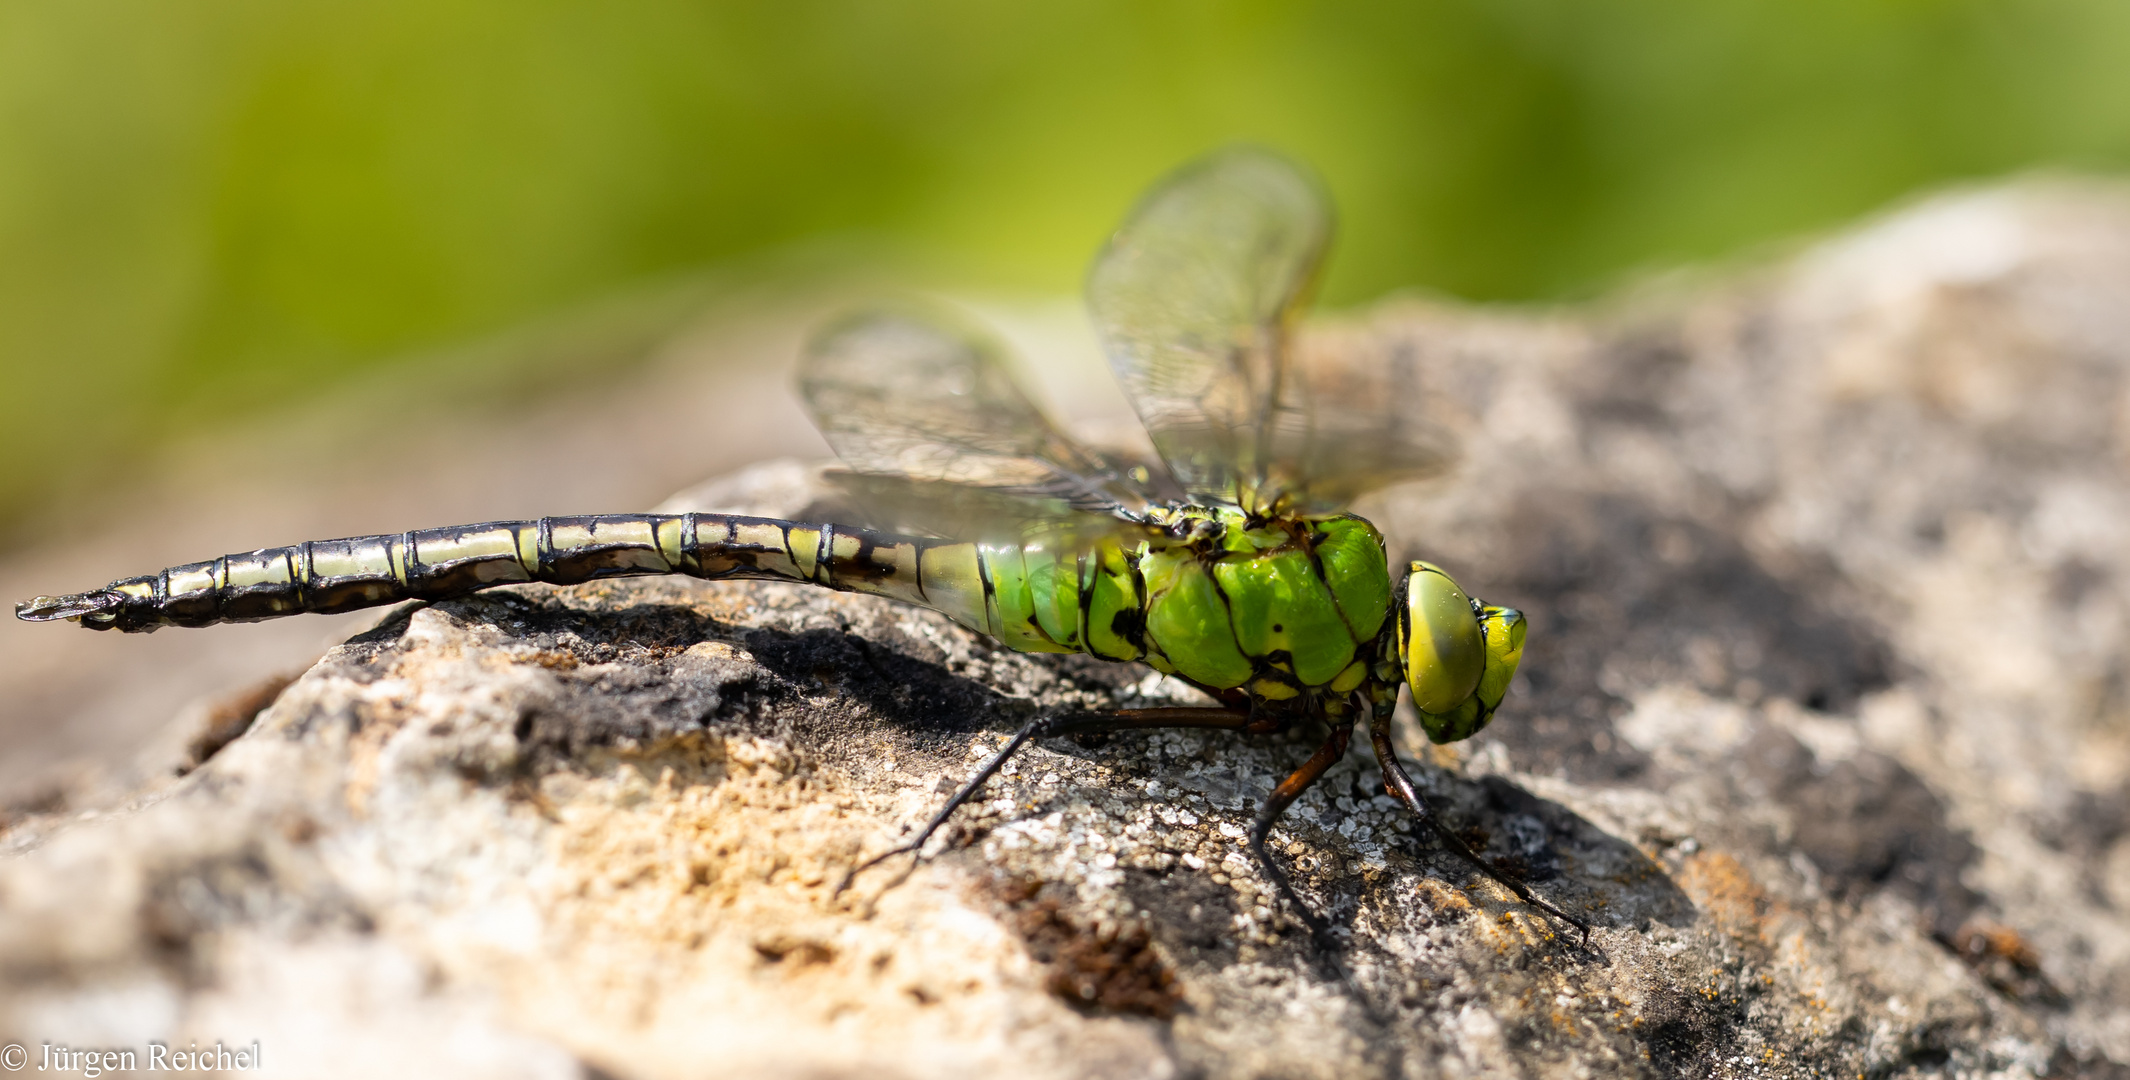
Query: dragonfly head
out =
(1458, 655)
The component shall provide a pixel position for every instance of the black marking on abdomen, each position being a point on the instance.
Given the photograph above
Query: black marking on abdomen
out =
(862, 565)
(366, 571)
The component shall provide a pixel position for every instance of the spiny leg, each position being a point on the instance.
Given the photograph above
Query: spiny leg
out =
(1044, 727)
(1400, 786)
(1283, 796)
(1328, 950)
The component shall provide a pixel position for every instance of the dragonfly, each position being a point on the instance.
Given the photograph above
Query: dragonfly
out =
(1230, 563)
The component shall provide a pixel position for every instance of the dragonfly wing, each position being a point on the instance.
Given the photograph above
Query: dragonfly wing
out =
(1356, 412)
(930, 419)
(941, 508)
(1194, 298)
(1197, 298)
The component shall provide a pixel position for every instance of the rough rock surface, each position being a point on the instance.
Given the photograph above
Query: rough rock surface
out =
(1825, 721)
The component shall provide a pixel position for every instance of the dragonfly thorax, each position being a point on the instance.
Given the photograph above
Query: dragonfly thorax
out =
(1279, 608)
(1296, 610)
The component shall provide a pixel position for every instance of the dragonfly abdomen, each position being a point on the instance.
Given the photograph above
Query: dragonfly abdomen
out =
(432, 564)
(325, 576)
(987, 588)
(1032, 597)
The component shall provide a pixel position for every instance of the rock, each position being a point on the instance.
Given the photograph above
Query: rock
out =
(1825, 721)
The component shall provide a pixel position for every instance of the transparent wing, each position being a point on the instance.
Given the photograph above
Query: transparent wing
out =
(959, 511)
(942, 439)
(1196, 299)
(1356, 412)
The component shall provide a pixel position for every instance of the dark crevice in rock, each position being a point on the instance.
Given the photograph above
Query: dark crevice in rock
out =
(229, 717)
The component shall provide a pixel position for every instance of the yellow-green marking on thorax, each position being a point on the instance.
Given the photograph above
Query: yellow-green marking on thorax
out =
(1265, 607)
(1188, 621)
(1281, 607)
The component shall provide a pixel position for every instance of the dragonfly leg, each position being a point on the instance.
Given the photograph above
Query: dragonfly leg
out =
(1283, 796)
(1400, 786)
(1044, 727)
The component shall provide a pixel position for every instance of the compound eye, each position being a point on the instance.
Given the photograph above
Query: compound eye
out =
(1443, 651)
(1504, 630)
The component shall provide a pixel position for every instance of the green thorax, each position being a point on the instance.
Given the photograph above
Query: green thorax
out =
(1277, 607)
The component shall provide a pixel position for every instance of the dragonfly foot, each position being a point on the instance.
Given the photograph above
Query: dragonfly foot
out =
(852, 874)
(56, 608)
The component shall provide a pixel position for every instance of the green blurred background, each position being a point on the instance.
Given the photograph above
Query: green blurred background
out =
(211, 206)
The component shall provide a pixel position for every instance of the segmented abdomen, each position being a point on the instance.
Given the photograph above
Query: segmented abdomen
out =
(1030, 598)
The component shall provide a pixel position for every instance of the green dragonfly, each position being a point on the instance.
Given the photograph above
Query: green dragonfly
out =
(1229, 564)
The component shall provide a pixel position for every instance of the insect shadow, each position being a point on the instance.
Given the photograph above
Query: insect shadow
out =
(883, 685)
(918, 698)
(1533, 839)
(1543, 843)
